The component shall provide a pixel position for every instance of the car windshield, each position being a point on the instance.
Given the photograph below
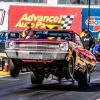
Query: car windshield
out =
(53, 35)
(14, 35)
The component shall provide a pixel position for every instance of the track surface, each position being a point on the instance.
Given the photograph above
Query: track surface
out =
(20, 88)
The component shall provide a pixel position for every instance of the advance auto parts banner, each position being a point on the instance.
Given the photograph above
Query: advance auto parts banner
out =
(39, 15)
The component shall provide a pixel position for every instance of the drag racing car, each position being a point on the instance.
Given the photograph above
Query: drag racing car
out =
(50, 51)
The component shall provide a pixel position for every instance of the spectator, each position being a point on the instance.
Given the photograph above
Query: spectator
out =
(82, 33)
(98, 36)
(96, 51)
(88, 40)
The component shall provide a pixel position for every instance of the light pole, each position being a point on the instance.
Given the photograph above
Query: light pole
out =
(88, 13)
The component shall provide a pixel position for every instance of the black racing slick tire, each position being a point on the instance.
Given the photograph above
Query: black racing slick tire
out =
(14, 67)
(35, 79)
(84, 78)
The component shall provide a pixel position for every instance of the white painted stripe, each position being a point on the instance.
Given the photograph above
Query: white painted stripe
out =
(98, 99)
(4, 76)
(9, 75)
(98, 63)
(96, 79)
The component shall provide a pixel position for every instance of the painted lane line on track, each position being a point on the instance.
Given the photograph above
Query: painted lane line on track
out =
(9, 75)
(95, 79)
(98, 63)
(4, 76)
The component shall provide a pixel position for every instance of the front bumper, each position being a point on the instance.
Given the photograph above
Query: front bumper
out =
(36, 55)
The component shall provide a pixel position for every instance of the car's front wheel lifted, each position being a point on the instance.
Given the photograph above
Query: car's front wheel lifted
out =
(14, 67)
(36, 78)
(84, 78)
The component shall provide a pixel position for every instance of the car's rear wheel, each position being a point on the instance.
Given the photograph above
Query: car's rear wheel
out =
(36, 78)
(84, 78)
(14, 67)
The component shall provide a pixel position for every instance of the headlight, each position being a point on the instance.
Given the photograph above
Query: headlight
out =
(63, 46)
(12, 45)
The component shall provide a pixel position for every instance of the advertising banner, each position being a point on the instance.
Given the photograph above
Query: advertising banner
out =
(94, 22)
(3, 19)
(70, 18)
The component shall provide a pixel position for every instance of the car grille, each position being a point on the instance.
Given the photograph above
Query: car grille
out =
(40, 46)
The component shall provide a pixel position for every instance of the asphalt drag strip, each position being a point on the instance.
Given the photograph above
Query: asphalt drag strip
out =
(20, 88)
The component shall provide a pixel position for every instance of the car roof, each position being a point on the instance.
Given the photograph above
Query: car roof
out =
(10, 31)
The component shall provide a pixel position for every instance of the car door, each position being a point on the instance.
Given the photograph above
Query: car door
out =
(78, 41)
(83, 56)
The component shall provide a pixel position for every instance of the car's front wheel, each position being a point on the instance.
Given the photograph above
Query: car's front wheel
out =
(14, 67)
(84, 78)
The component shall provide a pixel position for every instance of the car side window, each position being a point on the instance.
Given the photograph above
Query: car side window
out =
(3, 35)
(14, 35)
(78, 40)
(0, 34)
